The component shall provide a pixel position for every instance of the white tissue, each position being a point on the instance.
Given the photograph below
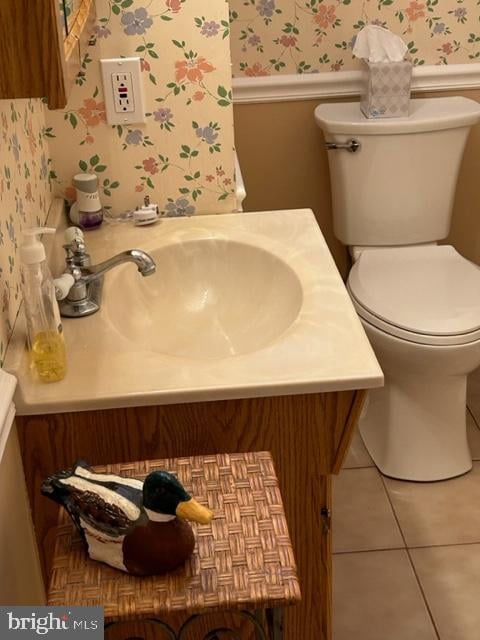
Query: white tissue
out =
(377, 44)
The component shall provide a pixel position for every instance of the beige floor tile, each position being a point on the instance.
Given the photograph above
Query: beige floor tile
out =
(473, 433)
(437, 513)
(358, 455)
(376, 597)
(362, 516)
(450, 577)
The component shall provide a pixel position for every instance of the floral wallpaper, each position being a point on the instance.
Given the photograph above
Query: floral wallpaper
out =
(25, 195)
(308, 36)
(183, 156)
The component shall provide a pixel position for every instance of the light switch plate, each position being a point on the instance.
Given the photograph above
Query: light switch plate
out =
(123, 90)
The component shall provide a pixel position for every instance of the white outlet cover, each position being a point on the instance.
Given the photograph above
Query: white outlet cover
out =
(123, 90)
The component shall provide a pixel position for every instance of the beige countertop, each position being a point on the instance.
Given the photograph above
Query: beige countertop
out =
(324, 348)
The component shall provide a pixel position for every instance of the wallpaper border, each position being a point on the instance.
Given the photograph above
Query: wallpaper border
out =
(290, 87)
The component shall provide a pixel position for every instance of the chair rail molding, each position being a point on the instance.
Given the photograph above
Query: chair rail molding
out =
(7, 408)
(344, 84)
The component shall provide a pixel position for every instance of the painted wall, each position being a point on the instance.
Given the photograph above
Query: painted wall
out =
(306, 36)
(465, 231)
(183, 156)
(25, 195)
(268, 136)
(21, 582)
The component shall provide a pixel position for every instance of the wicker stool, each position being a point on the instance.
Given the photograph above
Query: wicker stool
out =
(243, 561)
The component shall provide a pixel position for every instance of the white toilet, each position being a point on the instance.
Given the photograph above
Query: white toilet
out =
(393, 183)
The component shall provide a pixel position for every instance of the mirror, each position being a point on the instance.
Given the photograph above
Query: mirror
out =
(63, 9)
(68, 11)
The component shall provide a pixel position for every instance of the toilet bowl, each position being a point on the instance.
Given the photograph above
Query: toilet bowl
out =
(419, 302)
(415, 426)
(420, 308)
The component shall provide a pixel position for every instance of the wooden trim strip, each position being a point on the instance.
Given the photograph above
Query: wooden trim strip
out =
(346, 84)
(349, 429)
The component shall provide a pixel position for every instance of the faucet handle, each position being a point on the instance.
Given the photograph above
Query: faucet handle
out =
(69, 254)
(63, 284)
(73, 233)
(75, 248)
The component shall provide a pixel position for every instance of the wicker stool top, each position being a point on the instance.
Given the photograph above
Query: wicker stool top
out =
(242, 559)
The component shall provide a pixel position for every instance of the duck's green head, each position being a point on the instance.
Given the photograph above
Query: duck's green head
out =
(163, 493)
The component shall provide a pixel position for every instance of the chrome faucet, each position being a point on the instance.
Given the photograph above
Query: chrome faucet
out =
(84, 297)
(145, 264)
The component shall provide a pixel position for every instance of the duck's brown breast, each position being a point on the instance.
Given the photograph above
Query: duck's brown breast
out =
(157, 547)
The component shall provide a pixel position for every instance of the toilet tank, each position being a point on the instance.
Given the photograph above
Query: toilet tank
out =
(398, 187)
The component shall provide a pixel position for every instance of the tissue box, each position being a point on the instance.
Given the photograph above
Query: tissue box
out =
(386, 89)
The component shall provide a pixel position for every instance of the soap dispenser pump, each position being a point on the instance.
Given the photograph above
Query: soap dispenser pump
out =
(45, 340)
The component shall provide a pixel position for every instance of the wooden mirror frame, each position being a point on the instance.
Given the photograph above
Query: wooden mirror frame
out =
(44, 62)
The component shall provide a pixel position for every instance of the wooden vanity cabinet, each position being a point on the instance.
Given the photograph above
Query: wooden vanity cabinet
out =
(40, 49)
(308, 436)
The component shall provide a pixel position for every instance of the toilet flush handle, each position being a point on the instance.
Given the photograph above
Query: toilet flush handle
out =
(351, 145)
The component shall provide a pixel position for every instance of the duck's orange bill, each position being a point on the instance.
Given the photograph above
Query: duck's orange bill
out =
(194, 511)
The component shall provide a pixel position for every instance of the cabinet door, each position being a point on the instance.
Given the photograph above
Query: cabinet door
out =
(43, 38)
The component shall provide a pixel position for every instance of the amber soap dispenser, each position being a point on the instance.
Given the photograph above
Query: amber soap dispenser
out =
(45, 340)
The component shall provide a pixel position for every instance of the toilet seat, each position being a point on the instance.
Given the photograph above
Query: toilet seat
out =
(424, 294)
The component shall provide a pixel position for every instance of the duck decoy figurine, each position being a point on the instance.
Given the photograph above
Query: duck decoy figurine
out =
(134, 525)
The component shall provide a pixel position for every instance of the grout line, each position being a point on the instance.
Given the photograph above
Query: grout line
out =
(382, 479)
(417, 578)
(392, 507)
(411, 547)
(473, 417)
(443, 544)
(343, 553)
(370, 466)
(423, 594)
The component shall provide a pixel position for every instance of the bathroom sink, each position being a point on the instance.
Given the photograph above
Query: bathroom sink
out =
(240, 306)
(209, 298)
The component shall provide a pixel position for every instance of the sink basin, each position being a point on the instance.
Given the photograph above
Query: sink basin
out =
(209, 298)
(241, 306)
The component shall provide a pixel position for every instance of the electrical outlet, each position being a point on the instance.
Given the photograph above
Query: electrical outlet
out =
(123, 90)
(123, 96)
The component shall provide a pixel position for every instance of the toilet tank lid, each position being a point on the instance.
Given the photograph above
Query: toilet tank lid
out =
(426, 114)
